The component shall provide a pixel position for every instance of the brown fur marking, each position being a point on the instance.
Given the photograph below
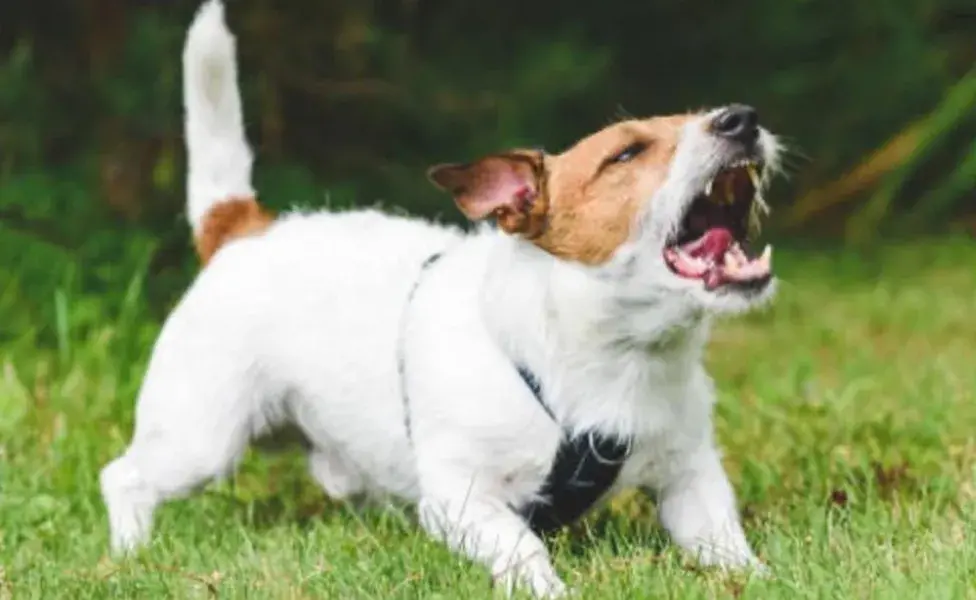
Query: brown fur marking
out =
(582, 205)
(592, 203)
(228, 221)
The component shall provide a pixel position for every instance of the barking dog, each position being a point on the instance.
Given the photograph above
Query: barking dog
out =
(504, 381)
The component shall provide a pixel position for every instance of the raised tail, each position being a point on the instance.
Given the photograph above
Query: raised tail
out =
(221, 203)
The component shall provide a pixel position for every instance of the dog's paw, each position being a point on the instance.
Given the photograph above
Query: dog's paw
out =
(759, 569)
(541, 581)
(731, 557)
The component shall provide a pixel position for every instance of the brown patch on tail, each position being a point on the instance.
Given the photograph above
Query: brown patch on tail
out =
(227, 221)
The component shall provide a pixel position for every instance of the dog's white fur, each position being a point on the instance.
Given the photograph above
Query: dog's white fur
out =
(302, 324)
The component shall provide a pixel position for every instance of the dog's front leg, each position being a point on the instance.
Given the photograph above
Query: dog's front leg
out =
(487, 530)
(697, 507)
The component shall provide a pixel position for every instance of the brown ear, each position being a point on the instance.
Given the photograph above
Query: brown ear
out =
(510, 187)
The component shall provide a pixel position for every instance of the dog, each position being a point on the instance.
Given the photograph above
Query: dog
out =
(504, 380)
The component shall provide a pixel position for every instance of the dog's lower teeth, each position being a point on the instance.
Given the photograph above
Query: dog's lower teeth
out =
(740, 255)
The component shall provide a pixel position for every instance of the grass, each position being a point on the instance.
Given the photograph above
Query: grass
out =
(847, 415)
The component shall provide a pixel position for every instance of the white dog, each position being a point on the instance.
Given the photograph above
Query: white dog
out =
(506, 380)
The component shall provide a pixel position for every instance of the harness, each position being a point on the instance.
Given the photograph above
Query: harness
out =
(585, 467)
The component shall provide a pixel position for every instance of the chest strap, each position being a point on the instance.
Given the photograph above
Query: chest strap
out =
(585, 468)
(400, 356)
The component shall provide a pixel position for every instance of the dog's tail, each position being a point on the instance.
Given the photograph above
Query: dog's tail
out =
(221, 203)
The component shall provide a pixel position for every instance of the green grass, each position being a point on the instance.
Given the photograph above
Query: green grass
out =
(847, 415)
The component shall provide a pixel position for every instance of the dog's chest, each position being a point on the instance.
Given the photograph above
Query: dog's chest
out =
(643, 425)
(660, 406)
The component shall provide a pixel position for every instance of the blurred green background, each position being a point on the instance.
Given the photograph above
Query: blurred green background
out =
(348, 101)
(847, 410)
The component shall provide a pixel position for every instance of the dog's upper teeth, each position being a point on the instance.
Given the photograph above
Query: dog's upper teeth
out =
(753, 175)
(708, 187)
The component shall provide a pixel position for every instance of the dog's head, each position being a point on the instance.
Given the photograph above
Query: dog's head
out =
(669, 204)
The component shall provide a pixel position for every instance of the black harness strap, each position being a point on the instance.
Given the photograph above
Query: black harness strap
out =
(401, 358)
(585, 468)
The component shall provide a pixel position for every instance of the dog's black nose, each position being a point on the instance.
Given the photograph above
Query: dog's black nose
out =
(737, 122)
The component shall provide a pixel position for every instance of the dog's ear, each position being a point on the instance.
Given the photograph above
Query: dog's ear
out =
(510, 187)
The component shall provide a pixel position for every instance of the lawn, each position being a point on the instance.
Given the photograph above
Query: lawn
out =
(847, 415)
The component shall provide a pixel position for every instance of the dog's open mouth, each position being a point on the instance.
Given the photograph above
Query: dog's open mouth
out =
(712, 241)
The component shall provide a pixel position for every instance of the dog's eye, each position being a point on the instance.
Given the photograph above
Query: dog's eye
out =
(628, 153)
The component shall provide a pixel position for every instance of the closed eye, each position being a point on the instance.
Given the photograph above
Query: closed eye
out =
(629, 153)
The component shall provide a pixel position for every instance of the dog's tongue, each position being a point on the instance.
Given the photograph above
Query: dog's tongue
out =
(712, 245)
(716, 259)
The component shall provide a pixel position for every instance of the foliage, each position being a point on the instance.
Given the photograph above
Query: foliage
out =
(362, 96)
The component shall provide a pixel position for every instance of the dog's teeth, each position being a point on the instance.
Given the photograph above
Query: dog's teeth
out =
(753, 175)
(708, 187)
(766, 259)
(731, 263)
(698, 265)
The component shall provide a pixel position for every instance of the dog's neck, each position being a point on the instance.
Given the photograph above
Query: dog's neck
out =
(536, 304)
(569, 327)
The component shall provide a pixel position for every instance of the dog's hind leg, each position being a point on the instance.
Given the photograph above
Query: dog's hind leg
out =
(195, 415)
(159, 466)
(339, 479)
(152, 470)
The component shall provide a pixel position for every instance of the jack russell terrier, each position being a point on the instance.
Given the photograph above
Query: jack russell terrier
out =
(504, 381)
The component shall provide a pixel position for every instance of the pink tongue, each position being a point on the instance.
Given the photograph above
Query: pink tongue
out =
(713, 244)
(710, 250)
